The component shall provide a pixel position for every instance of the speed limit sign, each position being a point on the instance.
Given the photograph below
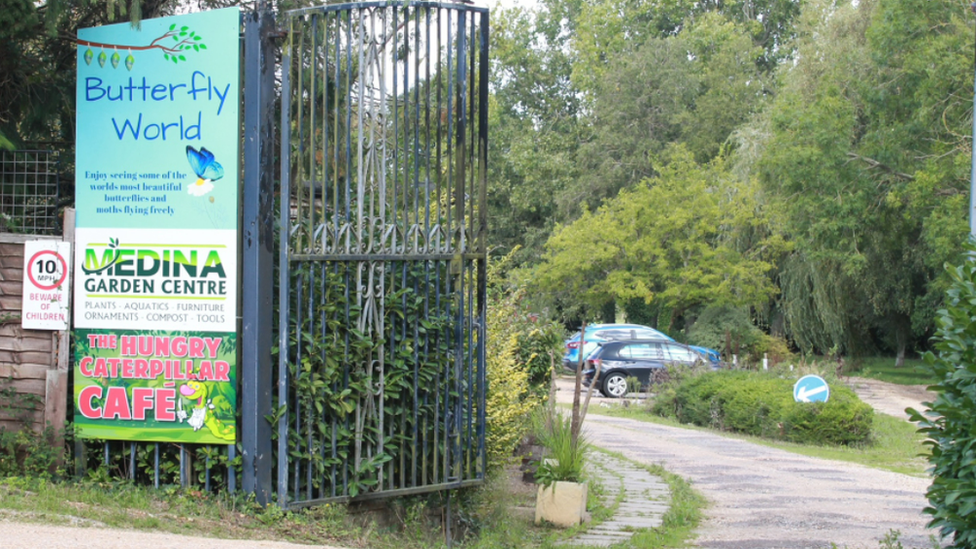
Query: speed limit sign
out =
(45, 303)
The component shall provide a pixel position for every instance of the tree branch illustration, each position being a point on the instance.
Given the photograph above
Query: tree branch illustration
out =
(183, 39)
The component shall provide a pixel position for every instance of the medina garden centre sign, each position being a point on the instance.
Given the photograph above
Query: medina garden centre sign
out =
(156, 232)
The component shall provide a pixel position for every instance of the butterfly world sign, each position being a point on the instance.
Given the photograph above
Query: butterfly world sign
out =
(156, 232)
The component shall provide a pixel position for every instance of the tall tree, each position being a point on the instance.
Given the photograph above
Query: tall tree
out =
(37, 63)
(694, 88)
(669, 239)
(534, 124)
(868, 161)
(609, 28)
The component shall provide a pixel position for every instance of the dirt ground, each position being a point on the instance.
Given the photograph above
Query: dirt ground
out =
(890, 398)
(23, 535)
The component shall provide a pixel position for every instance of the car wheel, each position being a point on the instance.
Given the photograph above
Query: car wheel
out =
(615, 385)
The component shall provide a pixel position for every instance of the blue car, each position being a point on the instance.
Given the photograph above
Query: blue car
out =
(599, 333)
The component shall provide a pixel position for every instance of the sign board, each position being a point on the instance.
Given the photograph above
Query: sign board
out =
(46, 283)
(811, 388)
(156, 192)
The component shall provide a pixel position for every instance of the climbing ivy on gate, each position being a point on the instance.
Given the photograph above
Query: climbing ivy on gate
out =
(335, 366)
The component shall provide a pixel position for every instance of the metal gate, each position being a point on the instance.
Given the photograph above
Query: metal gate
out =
(383, 217)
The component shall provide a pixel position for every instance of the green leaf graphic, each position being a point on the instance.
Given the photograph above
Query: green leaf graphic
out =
(129, 61)
(115, 60)
(101, 59)
(89, 55)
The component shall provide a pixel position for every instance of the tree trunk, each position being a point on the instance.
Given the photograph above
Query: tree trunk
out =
(901, 342)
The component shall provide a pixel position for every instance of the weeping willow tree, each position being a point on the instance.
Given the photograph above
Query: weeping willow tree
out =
(865, 158)
(823, 310)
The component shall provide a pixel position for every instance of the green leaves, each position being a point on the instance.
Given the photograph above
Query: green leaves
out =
(668, 239)
(861, 159)
(949, 420)
(341, 394)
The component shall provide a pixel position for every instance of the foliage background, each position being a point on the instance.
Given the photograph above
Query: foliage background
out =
(804, 161)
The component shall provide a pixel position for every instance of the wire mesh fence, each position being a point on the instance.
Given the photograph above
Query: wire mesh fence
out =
(29, 192)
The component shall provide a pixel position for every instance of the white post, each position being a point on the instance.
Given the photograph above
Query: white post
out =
(765, 362)
(735, 361)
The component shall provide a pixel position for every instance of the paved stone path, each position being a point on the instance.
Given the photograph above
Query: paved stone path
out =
(645, 501)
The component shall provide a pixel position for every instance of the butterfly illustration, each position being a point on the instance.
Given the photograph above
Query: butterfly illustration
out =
(206, 168)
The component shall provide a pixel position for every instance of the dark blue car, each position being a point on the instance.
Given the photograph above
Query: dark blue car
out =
(600, 333)
(645, 360)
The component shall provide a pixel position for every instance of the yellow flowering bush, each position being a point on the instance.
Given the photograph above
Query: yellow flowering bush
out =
(516, 353)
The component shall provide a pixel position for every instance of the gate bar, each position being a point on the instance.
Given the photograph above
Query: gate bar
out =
(258, 247)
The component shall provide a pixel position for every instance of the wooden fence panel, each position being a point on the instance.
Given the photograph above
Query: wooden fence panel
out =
(33, 363)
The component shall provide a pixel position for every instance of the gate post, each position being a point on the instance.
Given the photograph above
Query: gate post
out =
(258, 248)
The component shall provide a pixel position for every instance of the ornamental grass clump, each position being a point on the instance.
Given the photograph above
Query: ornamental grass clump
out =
(565, 456)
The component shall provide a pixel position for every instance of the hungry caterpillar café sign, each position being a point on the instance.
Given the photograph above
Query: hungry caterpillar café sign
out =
(156, 189)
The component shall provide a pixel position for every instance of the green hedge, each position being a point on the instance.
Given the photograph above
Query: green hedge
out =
(761, 404)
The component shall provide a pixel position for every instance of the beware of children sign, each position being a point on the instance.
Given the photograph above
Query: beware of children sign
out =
(46, 283)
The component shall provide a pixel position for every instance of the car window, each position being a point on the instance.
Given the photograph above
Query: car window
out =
(678, 353)
(641, 351)
(615, 334)
(631, 333)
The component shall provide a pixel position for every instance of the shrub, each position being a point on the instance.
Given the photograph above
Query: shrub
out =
(720, 326)
(25, 452)
(717, 323)
(519, 361)
(508, 404)
(950, 421)
(761, 404)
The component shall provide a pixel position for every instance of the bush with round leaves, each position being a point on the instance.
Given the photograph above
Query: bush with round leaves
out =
(950, 420)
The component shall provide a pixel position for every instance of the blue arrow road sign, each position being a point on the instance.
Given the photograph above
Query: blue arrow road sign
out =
(811, 388)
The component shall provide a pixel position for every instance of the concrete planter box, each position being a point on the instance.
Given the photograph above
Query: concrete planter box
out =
(562, 503)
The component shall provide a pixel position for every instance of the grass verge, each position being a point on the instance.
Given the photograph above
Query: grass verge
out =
(487, 514)
(186, 512)
(914, 372)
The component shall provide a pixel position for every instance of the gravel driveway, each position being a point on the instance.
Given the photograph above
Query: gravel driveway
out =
(767, 498)
(764, 498)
